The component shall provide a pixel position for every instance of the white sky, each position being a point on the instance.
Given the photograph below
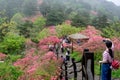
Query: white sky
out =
(117, 2)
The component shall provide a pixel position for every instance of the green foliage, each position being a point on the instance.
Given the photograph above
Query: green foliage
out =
(12, 44)
(45, 7)
(29, 7)
(81, 19)
(55, 17)
(98, 56)
(10, 7)
(66, 29)
(112, 30)
(26, 28)
(18, 18)
(76, 55)
(12, 58)
(8, 72)
(115, 73)
(54, 11)
(38, 26)
(7, 27)
(108, 32)
(43, 34)
(100, 22)
(40, 22)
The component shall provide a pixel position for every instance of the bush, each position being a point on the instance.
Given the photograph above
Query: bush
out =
(76, 55)
(8, 72)
(66, 29)
(43, 34)
(12, 44)
(13, 58)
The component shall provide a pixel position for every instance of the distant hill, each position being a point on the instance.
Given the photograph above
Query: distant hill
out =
(101, 7)
(104, 6)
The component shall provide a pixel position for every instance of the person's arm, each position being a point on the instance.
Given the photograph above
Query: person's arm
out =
(102, 61)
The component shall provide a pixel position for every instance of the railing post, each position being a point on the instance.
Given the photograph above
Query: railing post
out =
(87, 65)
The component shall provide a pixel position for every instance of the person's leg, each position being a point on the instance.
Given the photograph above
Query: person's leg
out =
(109, 73)
(105, 72)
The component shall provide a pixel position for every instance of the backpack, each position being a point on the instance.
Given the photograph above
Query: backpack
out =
(115, 64)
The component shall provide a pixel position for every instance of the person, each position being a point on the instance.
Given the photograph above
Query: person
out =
(67, 55)
(107, 60)
(78, 42)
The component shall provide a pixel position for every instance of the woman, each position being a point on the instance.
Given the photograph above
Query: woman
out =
(107, 60)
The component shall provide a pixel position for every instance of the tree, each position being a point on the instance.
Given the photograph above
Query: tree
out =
(10, 7)
(100, 22)
(54, 11)
(12, 44)
(29, 7)
(6, 27)
(25, 28)
(55, 17)
(45, 7)
(38, 26)
(81, 19)
(40, 23)
(65, 29)
(18, 18)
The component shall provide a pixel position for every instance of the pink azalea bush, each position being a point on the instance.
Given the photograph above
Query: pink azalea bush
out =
(52, 30)
(40, 63)
(95, 41)
(49, 40)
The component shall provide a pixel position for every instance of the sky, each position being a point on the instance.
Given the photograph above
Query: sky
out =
(117, 2)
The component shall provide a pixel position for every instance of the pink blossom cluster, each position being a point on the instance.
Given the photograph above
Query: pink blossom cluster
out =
(33, 61)
(43, 47)
(2, 56)
(49, 55)
(27, 60)
(95, 42)
(90, 31)
(52, 30)
(50, 40)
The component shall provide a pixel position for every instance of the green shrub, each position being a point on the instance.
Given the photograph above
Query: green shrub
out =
(97, 56)
(66, 29)
(76, 55)
(13, 58)
(9, 72)
(43, 34)
(12, 44)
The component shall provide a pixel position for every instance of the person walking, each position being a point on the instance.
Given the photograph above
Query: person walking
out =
(107, 60)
